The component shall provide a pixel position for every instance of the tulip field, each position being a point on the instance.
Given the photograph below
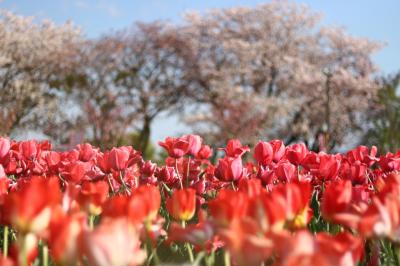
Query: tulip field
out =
(269, 205)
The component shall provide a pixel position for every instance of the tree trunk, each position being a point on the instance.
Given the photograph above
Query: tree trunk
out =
(144, 136)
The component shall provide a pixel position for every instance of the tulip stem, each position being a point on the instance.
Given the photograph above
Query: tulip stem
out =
(396, 253)
(188, 172)
(177, 173)
(188, 246)
(298, 172)
(152, 251)
(227, 258)
(91, 222)
(45, 255)
(111, 186)
(23, 255)
(124, 186)
(233, 185)
(5, 241)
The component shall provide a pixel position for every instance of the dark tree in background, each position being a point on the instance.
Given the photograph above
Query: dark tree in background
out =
(151, 73)
(384, 118)
(100, 106)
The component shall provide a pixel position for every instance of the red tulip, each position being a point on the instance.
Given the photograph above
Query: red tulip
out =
(114, 242)
(182, 204)
(92, 195)
(24, 250)
(2, 173)
(296, 153)
(29, 208)
(52, 158)
(204, 153)
(176, 147)
(361, 154)
(118, 158)
(4, 183)
(86, 152)
(356, 172)
(201, 235)
(324, 249)
(293, 200)
(63, 239)
(148, 199)
(228, 206)
(141, 206)
(241, 238)
(194, 143)
(166, 174)
(252, 187)
(328, 166)
(263, 153)
(286, 171)
(149, 168)
(4, 147)
(229, 169)
(74, 172)
(235, 149)
(336, 204)
(389, 162)
(278, 149)
(28, 149)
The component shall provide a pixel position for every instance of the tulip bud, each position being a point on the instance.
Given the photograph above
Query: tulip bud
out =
(194, 144)
(278, 148)
(229, 169)
(296, 153)
(182, 204)
(263, 153)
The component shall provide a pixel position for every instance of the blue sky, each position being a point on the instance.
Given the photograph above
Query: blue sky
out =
(377, 20)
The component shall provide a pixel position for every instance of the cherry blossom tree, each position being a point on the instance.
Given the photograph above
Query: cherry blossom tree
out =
(126, 79)
(31, 55)
(310, 79)
(151, 73)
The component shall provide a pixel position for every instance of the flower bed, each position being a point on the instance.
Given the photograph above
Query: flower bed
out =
(275, 205)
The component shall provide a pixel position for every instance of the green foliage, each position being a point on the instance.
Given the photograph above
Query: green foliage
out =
(133, 139)
(385, 121)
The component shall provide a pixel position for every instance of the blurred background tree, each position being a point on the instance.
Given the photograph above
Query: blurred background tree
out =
(31, 56)
(384, 118)
(272, 71)
(276, 65)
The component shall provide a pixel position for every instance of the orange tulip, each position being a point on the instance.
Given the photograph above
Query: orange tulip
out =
(228, 206)
(29, 208)
(92, 195)
(64, 233)
(182, 204)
